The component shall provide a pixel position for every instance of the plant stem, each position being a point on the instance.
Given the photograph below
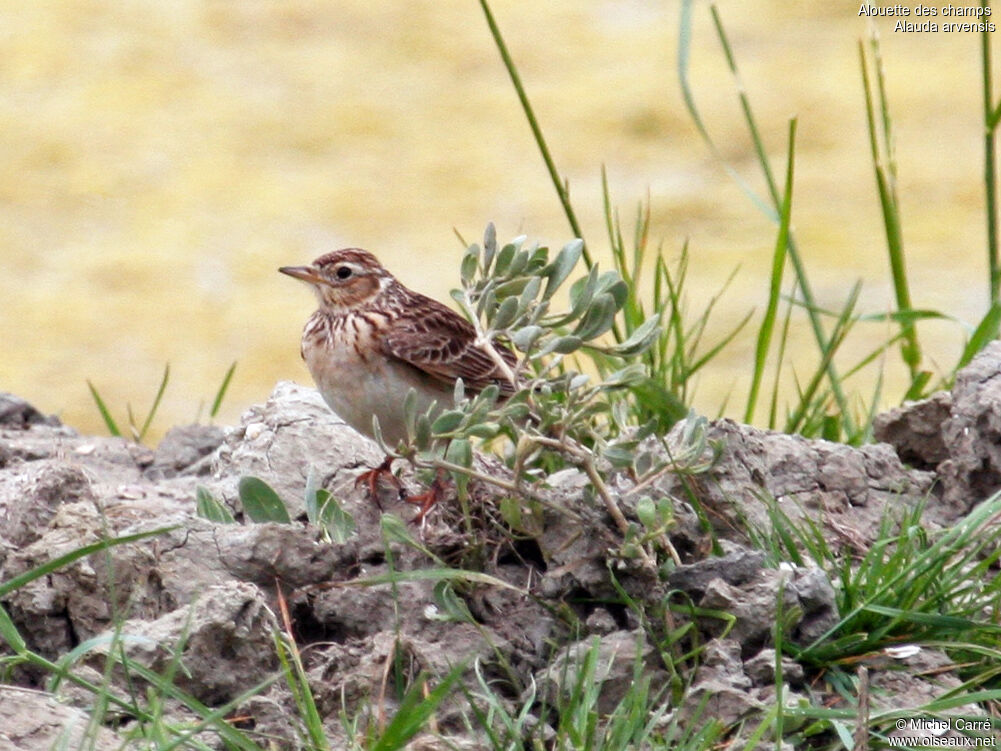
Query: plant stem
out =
(990, 164)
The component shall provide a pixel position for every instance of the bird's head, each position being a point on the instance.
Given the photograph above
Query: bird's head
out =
(344, 278)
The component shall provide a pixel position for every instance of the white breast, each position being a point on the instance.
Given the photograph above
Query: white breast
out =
(358, 381)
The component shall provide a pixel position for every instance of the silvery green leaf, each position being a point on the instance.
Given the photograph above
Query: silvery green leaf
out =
(505, 315)
(516, 411)
(538, 258)
(627, 376)
(504, 259)
(518, 263)
(486, 304)
(489, 246)
(642, 463)
(490, 393)
(581, 293)
(526, 336)
(558, 271)
(459, 391)
(422, 433)
(377, 432)
(598, 319)
(619, 291)
(646, 429)
(619, 457)
(460, 451)
(410, 411)
(639, 340)
(483, 430)
(579, 381)
(469, 261)
(513, 287)
(448, 421)
(530, 292)
(564, 345)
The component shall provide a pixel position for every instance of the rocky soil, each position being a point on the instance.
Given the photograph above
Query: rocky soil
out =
(215, 591)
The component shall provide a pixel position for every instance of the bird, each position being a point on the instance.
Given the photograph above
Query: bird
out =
(371, 340)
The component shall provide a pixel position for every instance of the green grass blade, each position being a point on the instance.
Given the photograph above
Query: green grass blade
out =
(56, 563)
(156, 402)
(415, 710)
(884, 166)
(221, 393)
(775, 286)
(109, 421)
(512, 70)
(986, 331)
(992, 115)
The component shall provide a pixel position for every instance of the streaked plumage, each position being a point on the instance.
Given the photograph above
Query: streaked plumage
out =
(371, 339)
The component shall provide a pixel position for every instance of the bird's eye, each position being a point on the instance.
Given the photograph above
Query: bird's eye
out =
(343, 272)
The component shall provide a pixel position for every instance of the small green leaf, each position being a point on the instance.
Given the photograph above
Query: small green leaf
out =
(260, 502)
(619, 292)
(422, 433)
(518, 263)
(529, 294)
(469, 262)
(513, 287)
(487, 302)
(510, 511)
(505, 314)
(489, 246)
(598, 319)
(619, 456)
(504, 258)
(340, 525)
(639, 341)
(558, 271)
(563, 345)
(581, 293)
(460, 451)
(208, 507)
(446, 422)
(627, 376)
(525, 337)
(646, 512)
(410, 411)
(483, 430)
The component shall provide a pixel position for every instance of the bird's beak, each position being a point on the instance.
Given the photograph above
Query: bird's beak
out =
(306, 273)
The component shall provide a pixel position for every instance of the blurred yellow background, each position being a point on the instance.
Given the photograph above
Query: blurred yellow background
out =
(162, 159)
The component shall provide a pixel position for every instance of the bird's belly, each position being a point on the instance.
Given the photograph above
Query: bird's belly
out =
(357, 388)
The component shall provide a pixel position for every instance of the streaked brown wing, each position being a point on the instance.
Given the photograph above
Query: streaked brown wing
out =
(440, 342)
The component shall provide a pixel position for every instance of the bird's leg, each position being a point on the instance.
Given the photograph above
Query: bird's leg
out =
(371, 479)
(429, 497)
